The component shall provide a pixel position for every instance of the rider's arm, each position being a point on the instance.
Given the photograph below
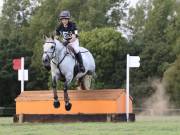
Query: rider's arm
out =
(74, 33)
(73, 38)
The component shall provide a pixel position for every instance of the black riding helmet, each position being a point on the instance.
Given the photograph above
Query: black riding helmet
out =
(65, 14)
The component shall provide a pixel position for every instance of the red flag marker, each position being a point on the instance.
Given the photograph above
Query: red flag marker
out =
(16, 64)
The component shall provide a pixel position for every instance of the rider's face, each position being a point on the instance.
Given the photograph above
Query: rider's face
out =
(64, 21)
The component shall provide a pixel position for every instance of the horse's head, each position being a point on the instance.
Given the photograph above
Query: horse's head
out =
(49, 48)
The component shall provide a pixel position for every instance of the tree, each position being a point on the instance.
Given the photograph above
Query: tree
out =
(88, 14)
(109, 49)
(150, 30)
(14, 17)
(171, 80)
(10, 87)
(171, 75)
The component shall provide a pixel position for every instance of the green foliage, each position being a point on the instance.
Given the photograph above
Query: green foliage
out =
(157, 21)
(22, 26)
(45, 20)
(109, 49)
(155, 38)
(12, 46)
(8, 78)
(90, 14)
(171, 80)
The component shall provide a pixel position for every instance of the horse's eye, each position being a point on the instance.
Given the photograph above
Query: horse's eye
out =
(52, 47)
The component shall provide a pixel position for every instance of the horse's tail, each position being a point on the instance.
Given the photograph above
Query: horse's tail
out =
(92, 73)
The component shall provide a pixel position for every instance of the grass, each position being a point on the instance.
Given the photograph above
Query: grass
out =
(143, 126)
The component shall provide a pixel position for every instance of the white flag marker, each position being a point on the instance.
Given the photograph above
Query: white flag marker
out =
(132, 61)
(22, 74)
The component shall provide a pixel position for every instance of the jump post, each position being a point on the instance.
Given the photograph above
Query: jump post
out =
(87, 105)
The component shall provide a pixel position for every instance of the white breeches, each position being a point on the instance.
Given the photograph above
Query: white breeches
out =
(75, 45)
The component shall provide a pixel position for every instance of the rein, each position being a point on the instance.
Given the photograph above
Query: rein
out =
(58, 64)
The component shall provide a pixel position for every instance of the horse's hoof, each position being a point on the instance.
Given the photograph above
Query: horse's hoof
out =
(68, 106)
(56, 104)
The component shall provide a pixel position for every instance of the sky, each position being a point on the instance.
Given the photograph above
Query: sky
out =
(1, 4)
(133, 3)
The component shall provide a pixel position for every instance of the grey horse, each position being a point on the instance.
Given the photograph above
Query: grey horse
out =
(64, 67)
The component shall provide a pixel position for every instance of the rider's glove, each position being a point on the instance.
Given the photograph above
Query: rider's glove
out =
(65, 43)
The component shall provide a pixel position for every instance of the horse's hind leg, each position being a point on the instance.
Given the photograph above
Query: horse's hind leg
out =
(68, 105)
(78, 84)
(56, 101)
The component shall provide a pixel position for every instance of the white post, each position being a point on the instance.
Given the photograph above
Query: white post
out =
(127, 88)
(22, 69)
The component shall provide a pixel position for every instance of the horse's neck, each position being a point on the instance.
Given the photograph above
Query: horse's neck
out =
(60, 52)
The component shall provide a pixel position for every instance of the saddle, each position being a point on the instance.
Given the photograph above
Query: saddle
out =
(71, 52)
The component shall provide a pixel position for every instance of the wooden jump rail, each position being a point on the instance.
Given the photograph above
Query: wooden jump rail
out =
(89, 105)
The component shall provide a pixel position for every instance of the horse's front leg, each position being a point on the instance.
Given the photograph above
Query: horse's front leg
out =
(68, 105)
(54, 84)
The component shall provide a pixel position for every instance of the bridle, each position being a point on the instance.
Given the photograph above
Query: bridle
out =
(52, 53)
(53, 56)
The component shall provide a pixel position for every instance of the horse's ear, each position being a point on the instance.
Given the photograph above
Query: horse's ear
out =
(52, 36)
(45, 36)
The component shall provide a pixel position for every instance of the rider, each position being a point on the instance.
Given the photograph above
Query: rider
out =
(69, 32)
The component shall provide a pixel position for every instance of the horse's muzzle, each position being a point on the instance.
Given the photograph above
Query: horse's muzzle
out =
(46, 62)
(45, 59)
(48, 68)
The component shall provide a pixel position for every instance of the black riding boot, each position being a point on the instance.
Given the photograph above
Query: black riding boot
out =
(79, 59)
